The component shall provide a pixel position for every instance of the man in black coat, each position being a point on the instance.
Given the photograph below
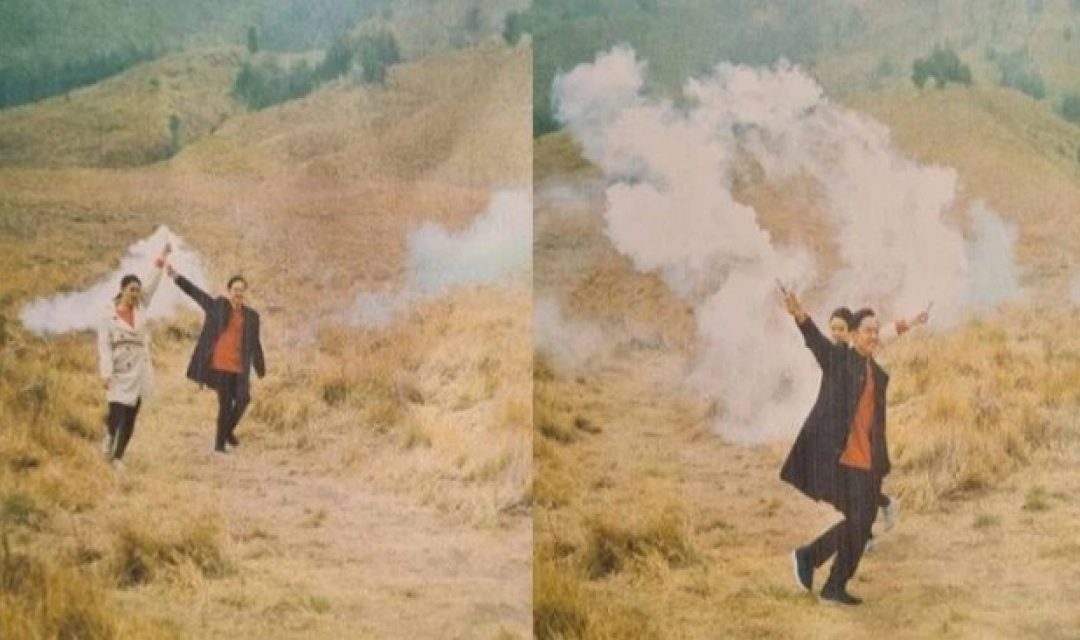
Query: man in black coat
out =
(228, 349)
(841, 454)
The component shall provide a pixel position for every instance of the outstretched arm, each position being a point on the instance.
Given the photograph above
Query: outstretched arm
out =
(201, 297)
(154, 279)
(818, 344)
(896, 329)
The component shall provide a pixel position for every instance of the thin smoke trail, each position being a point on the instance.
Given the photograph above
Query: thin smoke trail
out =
(497, 243)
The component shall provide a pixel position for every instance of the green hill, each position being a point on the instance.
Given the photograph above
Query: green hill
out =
(125, 121)
(53, 46)
(459, 116)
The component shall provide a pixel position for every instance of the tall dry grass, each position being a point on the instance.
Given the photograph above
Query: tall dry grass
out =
(972, 406)
(602, 523)
(68, 546)
(436, 405)
(56, 581)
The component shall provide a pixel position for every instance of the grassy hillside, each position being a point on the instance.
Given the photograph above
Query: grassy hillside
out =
(894, 36)
(1009, 151)
(411, 442)
(423, 27)
(125, 121)
(441, 118)
(52, 48)
(453, 118)
(645, 519)
(650, 525)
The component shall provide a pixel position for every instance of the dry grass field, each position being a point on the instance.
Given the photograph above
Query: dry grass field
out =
(649, 525)
(383, 485)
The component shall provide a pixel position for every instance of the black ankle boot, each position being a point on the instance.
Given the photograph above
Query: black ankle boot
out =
(832, 594)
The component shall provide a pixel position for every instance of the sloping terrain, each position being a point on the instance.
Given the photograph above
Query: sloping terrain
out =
(650, 525)
(383, 485)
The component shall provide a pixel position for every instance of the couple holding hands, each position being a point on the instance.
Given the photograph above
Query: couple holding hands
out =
(228, 348)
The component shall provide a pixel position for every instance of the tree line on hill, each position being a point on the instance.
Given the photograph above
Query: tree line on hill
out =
(265, 82)
(1015, 70)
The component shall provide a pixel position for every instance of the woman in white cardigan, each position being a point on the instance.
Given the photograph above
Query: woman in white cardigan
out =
(124, 356)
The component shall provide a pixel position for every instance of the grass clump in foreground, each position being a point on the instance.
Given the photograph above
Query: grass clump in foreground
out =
(145, 552)
(615, 543)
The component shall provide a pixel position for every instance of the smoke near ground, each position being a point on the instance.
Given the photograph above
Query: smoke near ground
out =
(569, 342)
(495, 245)
(671, 209)
(83, 310)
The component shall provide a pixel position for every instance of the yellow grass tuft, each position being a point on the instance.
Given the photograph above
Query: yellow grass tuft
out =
(616, 541)
(41, 599)
(146, 551)
(565, 608)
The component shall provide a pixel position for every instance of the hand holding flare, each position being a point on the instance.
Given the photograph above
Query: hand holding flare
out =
(791, 302)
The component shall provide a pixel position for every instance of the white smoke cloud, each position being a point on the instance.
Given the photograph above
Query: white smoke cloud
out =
(377, 309)
(83, 310)
(496, 244)
(992, 277)
(671, 210)
(570, 342)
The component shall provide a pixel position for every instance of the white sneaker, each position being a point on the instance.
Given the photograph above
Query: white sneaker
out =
(889, 515)
(119, 465)
(871, 544)
(107, 445)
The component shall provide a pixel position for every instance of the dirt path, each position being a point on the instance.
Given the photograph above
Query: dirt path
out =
(319, 553)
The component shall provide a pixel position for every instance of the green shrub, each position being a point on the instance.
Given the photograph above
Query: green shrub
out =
(943, 66)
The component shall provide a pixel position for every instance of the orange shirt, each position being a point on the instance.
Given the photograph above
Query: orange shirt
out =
(857, 453)
(227, 350)
(127, 315)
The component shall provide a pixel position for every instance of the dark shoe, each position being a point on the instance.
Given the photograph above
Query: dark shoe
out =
(838, 595)
(220, 450)
(803, 568)
(232, 441)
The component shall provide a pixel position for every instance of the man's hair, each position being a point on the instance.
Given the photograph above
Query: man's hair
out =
(844, 314)
(858, 316)
(235, 279)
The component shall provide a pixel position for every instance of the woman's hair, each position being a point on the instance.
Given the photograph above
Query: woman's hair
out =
(124, 282)
(844, 314)
(235, 279)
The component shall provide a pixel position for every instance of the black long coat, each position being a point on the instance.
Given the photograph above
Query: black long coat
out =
(218, 310)
(812, 465)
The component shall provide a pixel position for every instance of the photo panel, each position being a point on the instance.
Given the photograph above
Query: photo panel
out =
(307, 413)
(714, 182)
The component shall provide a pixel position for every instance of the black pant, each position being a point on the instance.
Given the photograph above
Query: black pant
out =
(232, 400)
(858, 501)
(121, 424)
